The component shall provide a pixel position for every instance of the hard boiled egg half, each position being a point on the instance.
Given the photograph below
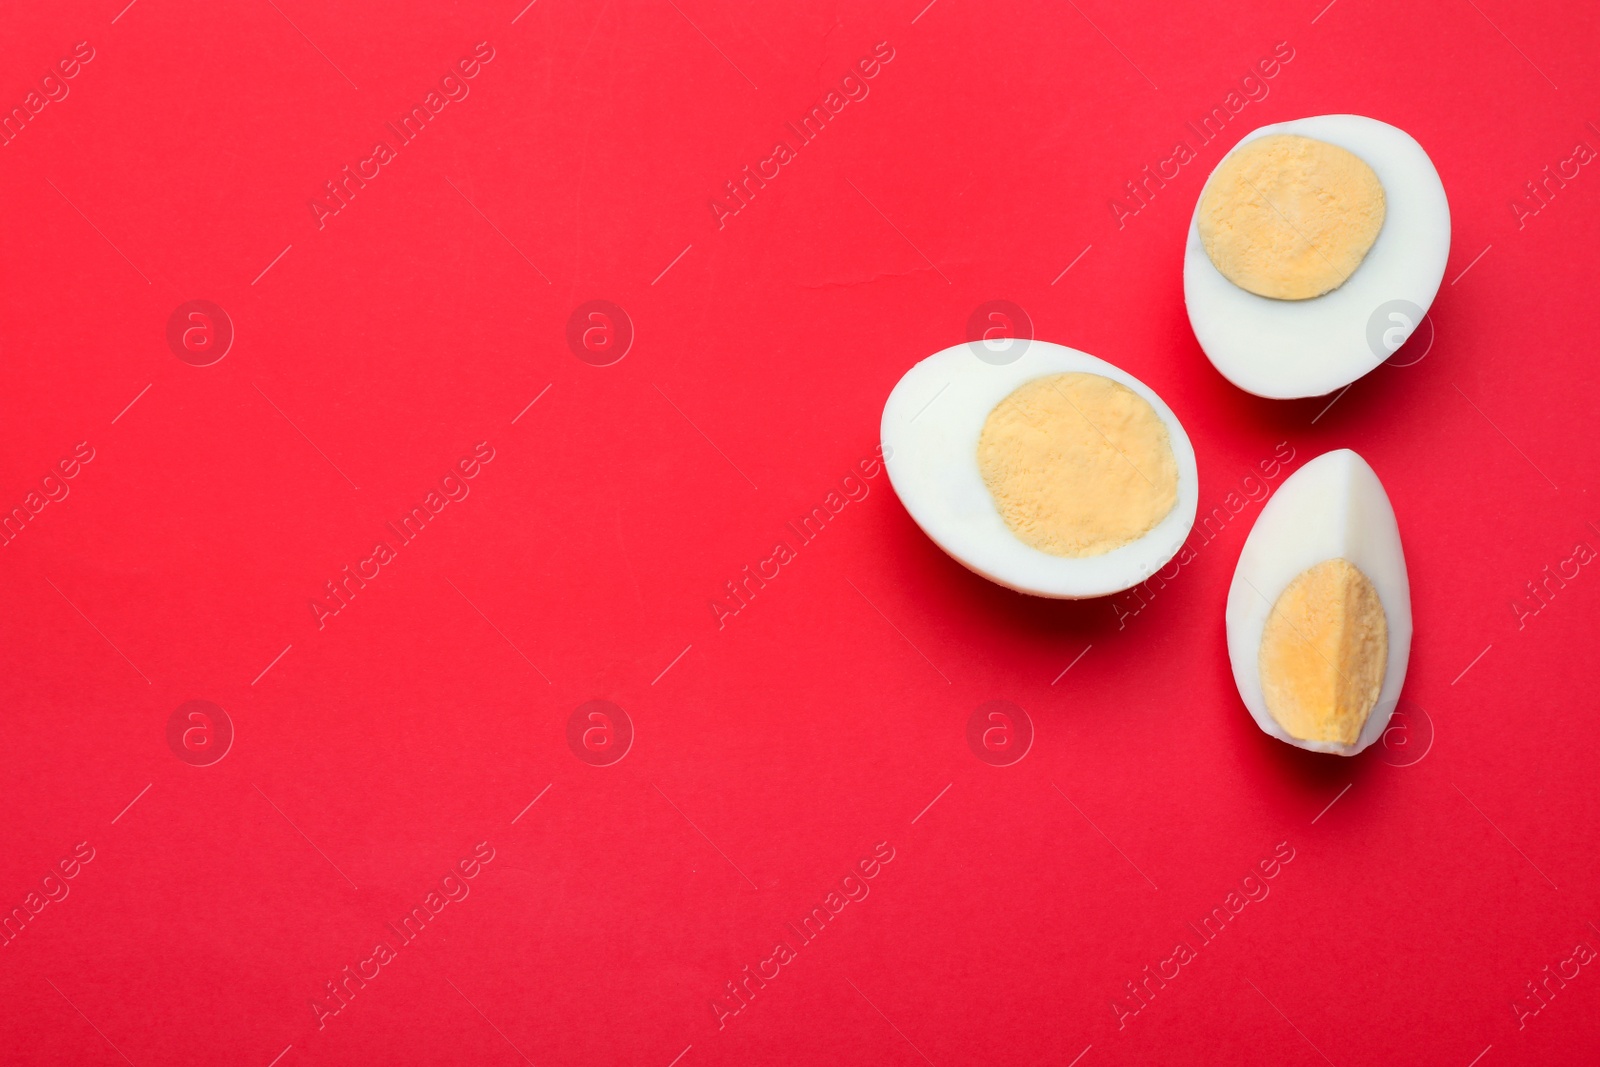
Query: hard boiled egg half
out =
(1315, 250)
(1319, 613)
(1040, 467)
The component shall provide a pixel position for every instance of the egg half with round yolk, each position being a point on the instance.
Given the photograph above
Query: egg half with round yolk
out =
(1315, 251)
(1049, 471)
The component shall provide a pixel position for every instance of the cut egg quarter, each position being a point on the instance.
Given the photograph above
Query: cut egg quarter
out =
(1315, 249)
(1043, 469)
(1319, 612)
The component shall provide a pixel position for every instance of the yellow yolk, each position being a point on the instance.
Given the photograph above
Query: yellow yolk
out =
(1289, 217)
(1078, 464)
(1323, 653)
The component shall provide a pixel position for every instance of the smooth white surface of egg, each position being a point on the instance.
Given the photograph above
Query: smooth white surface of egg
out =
(1299, 348)
(931, 426)
(1332, 508)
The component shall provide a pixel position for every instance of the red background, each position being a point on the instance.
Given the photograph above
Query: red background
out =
(828, 713)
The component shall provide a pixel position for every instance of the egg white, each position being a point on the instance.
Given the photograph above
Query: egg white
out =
(931, 426)
(1332, 508)
(1298, 348)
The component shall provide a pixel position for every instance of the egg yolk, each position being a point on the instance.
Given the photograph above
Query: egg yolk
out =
(1323, 653)
(1289, 217)
(1078, 464)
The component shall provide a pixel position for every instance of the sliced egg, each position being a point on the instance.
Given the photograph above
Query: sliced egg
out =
(1315, 250)
(1319, 613)
(1041, 467)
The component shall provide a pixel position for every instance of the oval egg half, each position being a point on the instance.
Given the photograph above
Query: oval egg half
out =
(1298, 348)
(1319, 612)
(967, 442)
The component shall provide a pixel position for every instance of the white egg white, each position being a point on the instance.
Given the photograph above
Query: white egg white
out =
(931, 425)
(1332, 508)
(1298, 348)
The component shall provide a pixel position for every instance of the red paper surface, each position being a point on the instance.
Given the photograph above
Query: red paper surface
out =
(769, 753)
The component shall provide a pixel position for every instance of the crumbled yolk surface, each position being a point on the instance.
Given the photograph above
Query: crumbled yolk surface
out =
(1289, 217)
(1078, 464)
(1323, 653)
